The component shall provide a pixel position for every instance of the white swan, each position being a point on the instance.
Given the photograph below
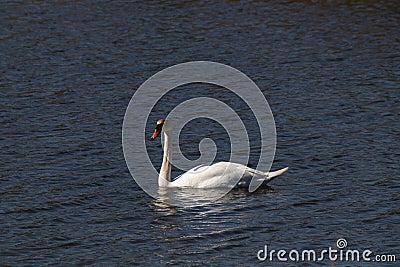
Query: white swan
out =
(218, 175)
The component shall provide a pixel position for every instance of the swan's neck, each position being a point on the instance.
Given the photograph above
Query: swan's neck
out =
(165, 173)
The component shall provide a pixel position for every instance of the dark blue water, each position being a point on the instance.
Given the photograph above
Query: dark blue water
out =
(68, 70)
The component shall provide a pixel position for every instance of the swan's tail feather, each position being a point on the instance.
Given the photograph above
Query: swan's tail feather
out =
(259, 178)
(267, 176)
(271, 175)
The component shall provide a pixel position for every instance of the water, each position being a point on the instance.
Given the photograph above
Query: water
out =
(68, 70)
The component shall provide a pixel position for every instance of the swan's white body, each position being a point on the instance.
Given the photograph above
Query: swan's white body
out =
(222, 174)
(218, 175)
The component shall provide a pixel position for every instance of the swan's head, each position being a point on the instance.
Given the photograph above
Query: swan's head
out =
(157, 130)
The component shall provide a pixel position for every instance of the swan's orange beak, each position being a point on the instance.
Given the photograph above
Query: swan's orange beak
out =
(158, 129)
(156, 133)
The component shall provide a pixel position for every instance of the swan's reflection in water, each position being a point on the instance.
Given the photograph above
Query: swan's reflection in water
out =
(189, 197)
(192, 197)
(199, 201)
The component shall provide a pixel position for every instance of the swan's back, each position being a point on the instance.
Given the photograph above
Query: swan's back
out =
(218, 175)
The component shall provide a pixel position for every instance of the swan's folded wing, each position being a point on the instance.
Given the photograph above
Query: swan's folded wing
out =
(221, 174)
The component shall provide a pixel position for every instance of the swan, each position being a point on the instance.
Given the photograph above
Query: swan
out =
(217, 175)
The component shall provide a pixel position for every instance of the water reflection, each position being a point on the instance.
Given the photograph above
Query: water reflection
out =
(189, 197)
(194, 197)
